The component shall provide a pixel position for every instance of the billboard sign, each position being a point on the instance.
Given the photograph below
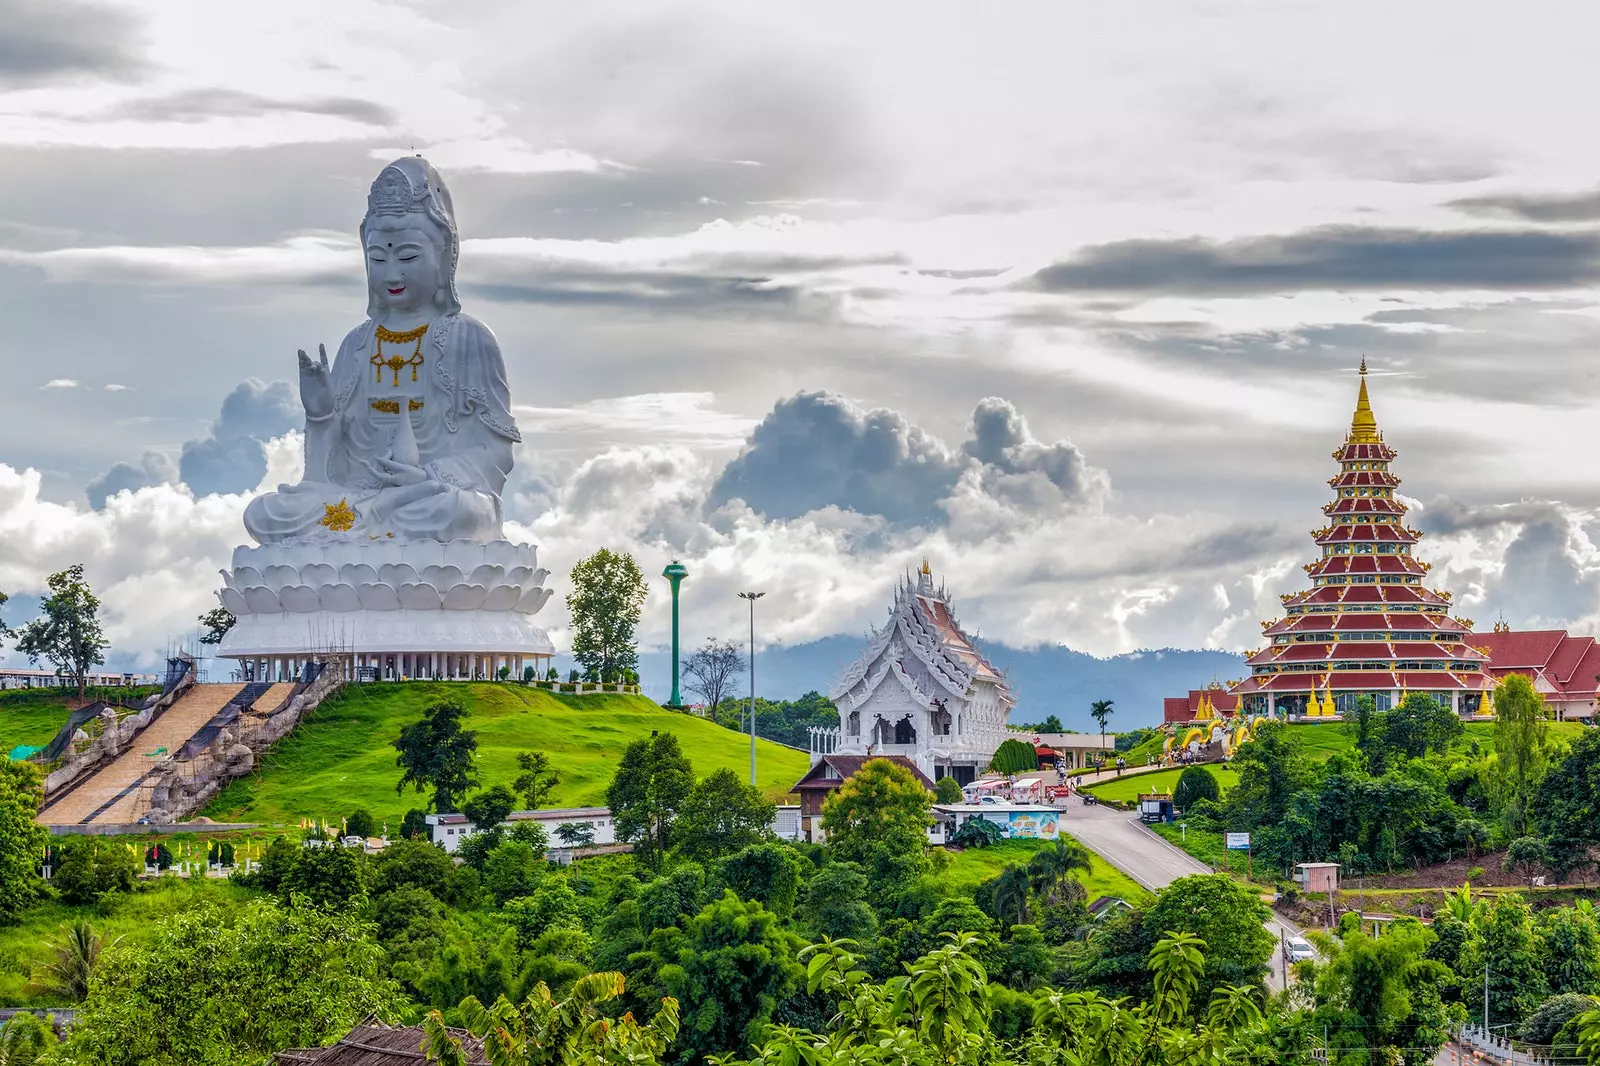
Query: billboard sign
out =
(1035, 825)
(1238, 841)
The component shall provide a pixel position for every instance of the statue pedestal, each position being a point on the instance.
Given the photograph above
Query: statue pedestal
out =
(387, 608)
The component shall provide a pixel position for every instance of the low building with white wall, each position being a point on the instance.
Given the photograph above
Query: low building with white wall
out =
(449, 830)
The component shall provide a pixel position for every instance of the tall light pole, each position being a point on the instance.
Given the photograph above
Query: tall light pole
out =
(675, 573)
(752, 597)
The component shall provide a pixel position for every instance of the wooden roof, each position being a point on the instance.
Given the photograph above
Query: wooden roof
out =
(379, 1045)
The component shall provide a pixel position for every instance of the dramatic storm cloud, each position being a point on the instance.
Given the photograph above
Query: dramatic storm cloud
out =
(1055, 296)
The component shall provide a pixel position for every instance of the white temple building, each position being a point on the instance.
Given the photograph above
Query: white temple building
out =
(922, 690)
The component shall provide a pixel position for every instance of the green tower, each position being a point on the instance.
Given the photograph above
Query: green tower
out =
(675, 573)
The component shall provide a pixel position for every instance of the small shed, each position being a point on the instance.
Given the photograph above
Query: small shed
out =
(1317, 876)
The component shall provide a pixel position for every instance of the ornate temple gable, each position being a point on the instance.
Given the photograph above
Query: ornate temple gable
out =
(911, 635)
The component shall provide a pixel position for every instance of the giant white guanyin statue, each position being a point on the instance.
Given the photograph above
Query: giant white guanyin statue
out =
(408, 442)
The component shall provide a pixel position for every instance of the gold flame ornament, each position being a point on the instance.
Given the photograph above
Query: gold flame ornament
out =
(338, 517)
(396, 362)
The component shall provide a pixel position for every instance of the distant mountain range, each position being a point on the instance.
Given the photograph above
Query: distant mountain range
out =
(1047, 680)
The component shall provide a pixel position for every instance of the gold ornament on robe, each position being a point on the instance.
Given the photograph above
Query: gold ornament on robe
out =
(392, 407)
(396, 363)
(338, 517)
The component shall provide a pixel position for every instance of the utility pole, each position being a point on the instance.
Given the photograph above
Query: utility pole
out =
(1486, 996)
(752, 597)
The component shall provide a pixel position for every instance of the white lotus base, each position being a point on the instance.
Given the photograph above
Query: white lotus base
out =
(362, 633)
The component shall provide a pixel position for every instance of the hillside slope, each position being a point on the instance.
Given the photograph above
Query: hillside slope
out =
(33, 716)
(342, 757)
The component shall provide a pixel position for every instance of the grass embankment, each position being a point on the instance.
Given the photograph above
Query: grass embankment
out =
(973, 866)
(33, 716)
(1127, 789)
(342, 757)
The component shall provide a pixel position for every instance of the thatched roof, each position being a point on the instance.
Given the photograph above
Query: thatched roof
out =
(378, 1045)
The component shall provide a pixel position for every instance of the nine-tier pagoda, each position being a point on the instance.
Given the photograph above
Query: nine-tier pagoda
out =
(1368, 626)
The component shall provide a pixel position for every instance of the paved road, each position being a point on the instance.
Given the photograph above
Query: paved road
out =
(1119, 839)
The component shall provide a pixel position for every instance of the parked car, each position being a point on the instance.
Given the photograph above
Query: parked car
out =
(990, 799)
(1300, 949)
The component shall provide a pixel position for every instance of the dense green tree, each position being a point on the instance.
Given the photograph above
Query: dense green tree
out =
(1196, 783)
(1014, 756)
(1566, 805)
(1383, 994)
(836, 903)
(881, 807)
(22, 841)
(1553, 1014)
(250, 982)
(552, 905)
(651, 783)
(1006, 894)
(412, 863)
(1027, 960)
(436, 752)
(67, 632)
(673, 899)
(1271, 768)
(1227, 915)
(25, 1039)
(1051, 724)
(947, 790)
(1526, 854)
(537, 780)
(1052, 870)
(414, 826)
(607, 597)
(331, 876)
(720, 815)
(92, 866)
(1507, 943)
(490, 808)
(1569, 944)
(1418, 725)
(361, 823)
(768, 873)
(1521, 747)
(513, 869)
(729, 967)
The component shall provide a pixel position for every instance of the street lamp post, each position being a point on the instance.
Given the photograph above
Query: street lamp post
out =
(675, 573)
(752, 597)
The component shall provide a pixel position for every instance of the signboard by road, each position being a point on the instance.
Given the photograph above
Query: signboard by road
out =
(1238, 841)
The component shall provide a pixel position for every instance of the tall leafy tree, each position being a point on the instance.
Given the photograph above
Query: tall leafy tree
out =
(1227, 915)
(882, 807)
(1384, 994)
(835, 903)
(711, 670)
(67, 631)
(1014, 756)
(537, 779)
(1419, 725)
(607, 597)
(1196, 783)
(490, 808)
(1566, 806)
(306, 974)
(1507, 945)
(1100, 711)
(722, 814)
(651, 783)
(436, 752)
(1569, 942)
(21, 840)
(1521, 747)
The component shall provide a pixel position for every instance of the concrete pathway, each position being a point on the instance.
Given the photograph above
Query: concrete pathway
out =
(1121, 840)
(170, 730)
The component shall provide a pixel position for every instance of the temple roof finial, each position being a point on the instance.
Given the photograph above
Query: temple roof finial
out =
(926, 569)
(1363, 425)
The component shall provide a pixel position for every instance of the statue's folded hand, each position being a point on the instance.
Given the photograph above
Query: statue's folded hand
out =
(392, 474)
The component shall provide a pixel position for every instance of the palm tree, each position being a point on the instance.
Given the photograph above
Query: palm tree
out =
(1050, 869)
(70, 972)
(1011, 894)
(1100, 710)
(23, 1040)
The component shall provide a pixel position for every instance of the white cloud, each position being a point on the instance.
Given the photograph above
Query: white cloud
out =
(60, 383)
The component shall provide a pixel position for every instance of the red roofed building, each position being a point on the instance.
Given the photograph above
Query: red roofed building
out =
(1199, 705)
(1368, 625)
(1563, 668)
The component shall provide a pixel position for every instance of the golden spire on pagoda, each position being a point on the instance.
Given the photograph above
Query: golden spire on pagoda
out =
(927, 570)
(1363, 426)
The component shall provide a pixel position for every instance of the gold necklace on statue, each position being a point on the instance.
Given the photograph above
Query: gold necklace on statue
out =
(397, 363)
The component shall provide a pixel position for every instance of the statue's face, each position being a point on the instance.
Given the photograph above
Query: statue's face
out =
(404, 262)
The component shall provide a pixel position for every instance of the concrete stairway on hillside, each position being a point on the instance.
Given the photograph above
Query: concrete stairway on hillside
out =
(116, 784)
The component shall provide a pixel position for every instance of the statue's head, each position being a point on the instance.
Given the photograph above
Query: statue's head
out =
(410, 239)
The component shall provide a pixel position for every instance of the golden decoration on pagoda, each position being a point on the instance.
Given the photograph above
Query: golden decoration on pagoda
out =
(338, 517)
(1502, 626)
(1363, 424)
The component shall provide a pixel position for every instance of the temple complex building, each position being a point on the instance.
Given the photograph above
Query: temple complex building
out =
(1368, 625)
(1564, 669)
(921, 690)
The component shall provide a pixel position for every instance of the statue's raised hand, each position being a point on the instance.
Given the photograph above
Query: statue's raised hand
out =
(316, 385)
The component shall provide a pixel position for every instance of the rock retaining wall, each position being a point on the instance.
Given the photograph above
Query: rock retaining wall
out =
(86, 754)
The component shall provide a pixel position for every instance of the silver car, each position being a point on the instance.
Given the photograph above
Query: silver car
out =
(1300, 949)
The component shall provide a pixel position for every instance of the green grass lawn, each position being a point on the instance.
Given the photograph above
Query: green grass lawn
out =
(23, 947)
(33, 716)
(341, 758)
(973, 866)
(1128, 789)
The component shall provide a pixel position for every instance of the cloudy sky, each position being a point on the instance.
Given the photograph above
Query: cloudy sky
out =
(1067, 298)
